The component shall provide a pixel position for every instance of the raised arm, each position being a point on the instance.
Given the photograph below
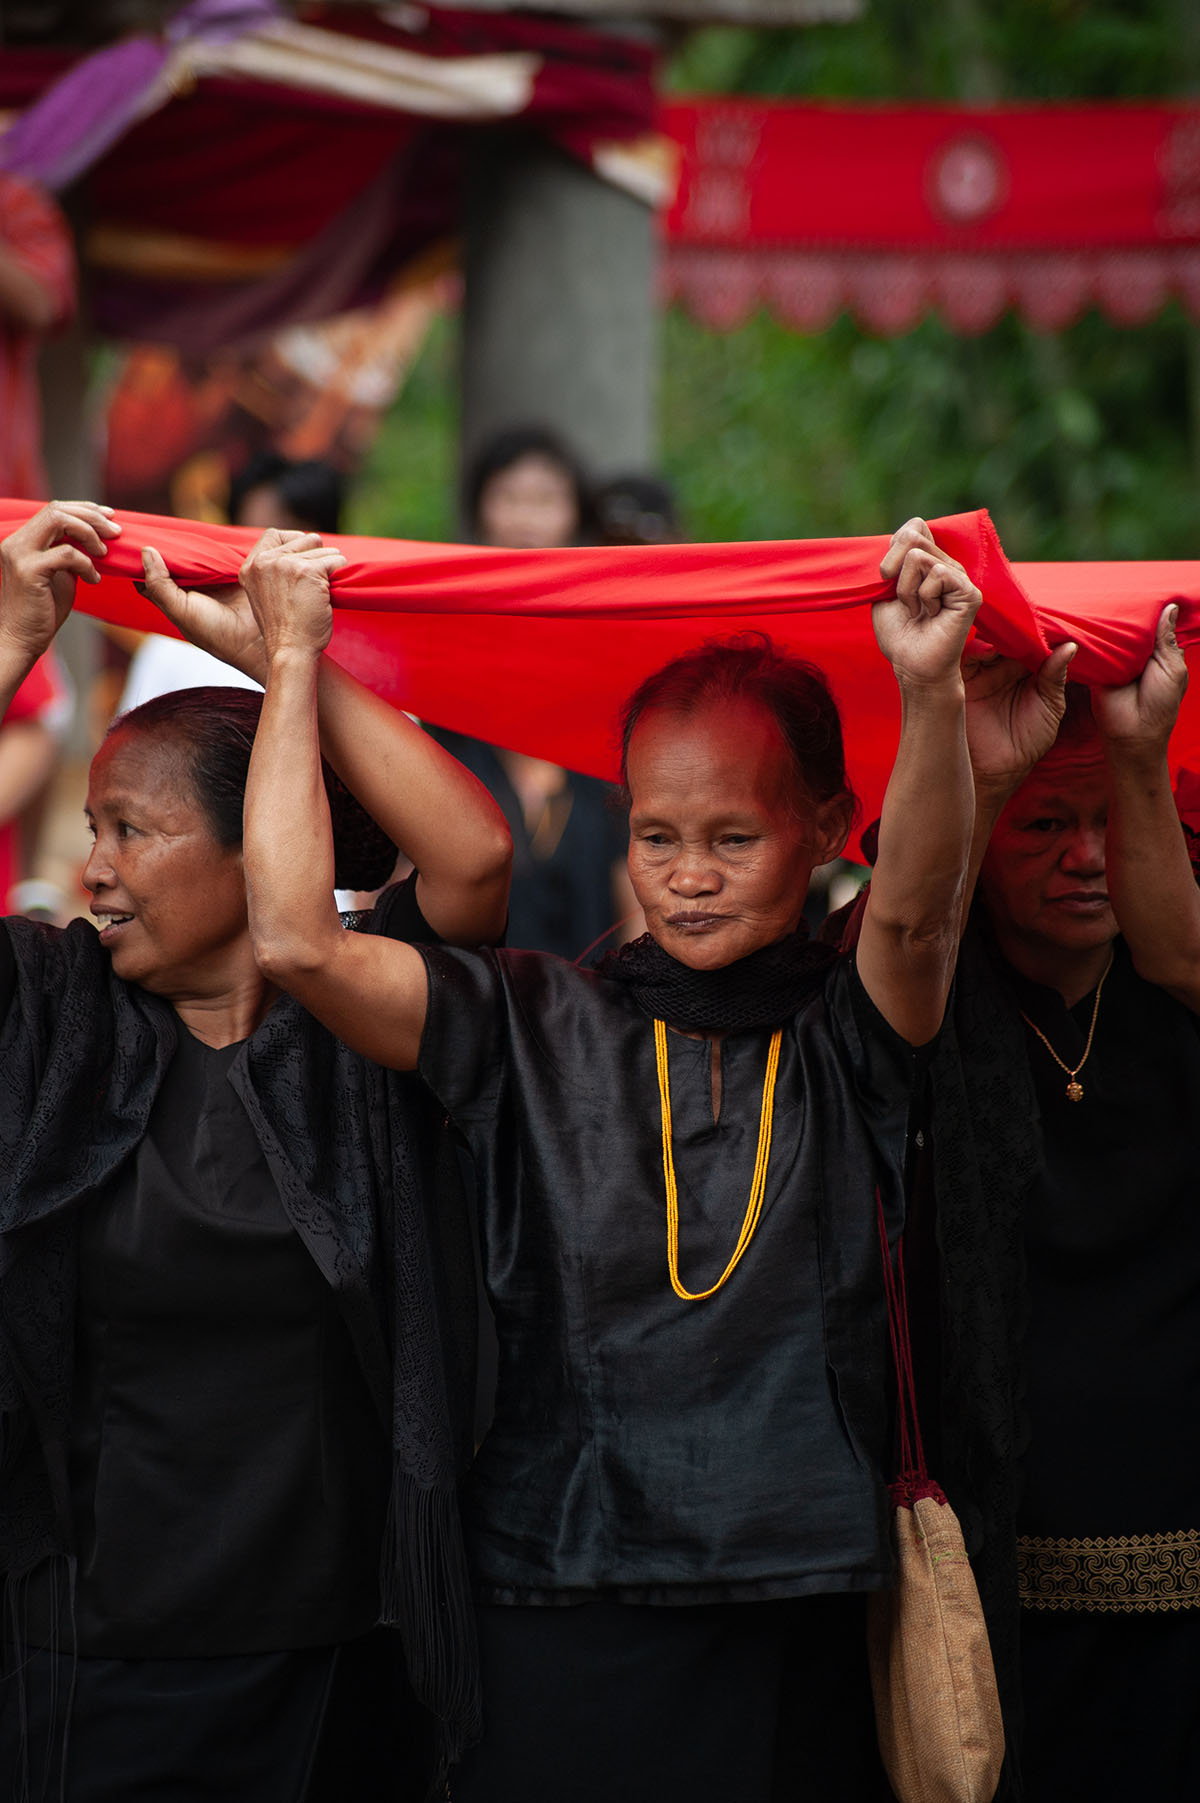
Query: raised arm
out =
(39, 565)
(1150, 882)
(369, 990)
(1013, 717)
(439, 815)
(912, 921)
(1012, 720)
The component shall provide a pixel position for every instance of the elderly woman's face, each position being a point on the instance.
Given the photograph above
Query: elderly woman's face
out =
(169, 898)
(1043, 878)
(721, 845)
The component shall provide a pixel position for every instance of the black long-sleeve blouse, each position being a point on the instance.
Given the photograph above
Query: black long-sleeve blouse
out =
(646, 1447)
(348, 1150)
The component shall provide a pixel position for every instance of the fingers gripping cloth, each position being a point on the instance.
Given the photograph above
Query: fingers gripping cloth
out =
(535, 650)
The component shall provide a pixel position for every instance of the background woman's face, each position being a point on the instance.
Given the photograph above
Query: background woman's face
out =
(721, 842)
(169, 898)
(1043, 878)
(530, 506)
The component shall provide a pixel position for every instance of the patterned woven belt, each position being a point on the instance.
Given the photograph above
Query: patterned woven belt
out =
(1128, 1573)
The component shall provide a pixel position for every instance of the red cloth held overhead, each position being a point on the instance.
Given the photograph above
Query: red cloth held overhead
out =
(535, 650)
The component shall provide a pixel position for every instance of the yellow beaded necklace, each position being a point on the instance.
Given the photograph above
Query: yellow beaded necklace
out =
(757, 1188)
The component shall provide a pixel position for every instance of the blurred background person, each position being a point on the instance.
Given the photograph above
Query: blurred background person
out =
(271, 490)
(37, 296)
(526, 490)
(638, 509)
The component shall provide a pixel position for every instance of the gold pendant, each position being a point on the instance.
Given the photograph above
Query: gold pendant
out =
(1074, 1091)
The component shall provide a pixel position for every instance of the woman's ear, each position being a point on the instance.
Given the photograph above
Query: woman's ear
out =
(832, 821)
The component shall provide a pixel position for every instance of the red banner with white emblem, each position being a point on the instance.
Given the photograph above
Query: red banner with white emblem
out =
(890, 211)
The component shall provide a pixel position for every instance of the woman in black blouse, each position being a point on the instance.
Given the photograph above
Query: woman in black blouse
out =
(680, 1504)
(234, 1398)
(1066, 1104)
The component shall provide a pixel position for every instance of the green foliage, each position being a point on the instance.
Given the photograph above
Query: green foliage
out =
(1084, 443)
(1078, 444)
(958, 50)
(1081, 443)
(408, 486)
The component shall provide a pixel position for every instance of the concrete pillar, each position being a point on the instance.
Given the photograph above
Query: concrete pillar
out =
(72, 465)
(559, 324)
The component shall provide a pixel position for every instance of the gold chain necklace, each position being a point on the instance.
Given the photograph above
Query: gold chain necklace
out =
(1074, 1087)
(757, 1188)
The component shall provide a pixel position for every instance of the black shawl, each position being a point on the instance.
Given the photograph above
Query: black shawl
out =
(985, 1157)
(353, 1150)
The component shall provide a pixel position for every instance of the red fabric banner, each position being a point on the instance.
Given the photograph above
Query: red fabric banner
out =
(935, 177)
(535, 650)
(808, 208)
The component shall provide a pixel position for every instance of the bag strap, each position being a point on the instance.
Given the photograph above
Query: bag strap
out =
(913, 1480)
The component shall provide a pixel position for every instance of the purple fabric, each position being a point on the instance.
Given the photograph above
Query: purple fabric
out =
(219, 21)
(77, 119)
(74, 122)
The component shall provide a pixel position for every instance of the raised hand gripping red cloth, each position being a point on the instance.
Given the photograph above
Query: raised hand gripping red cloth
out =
(535, 650)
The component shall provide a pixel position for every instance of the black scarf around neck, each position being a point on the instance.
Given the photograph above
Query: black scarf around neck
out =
(760, 990)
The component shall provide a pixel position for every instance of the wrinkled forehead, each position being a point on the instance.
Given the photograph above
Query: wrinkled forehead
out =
(151, 763)
(733, 750)
(1071, 771)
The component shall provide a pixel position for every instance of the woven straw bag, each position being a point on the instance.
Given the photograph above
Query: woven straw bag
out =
(937, 1711)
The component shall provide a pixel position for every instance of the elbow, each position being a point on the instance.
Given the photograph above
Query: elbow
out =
(922, 967)
(923, 938)
(465, 898)
(922, 1026)
(494, 857)
(491, 880)
(285, 956)
(478, 865)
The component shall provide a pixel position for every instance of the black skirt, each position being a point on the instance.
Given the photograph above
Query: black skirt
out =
(1111, 1710)
(320, 1725)
(631, 1703)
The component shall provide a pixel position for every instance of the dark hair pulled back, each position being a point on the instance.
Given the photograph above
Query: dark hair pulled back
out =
(512, 445)
(311, 490)
(214, 730)
(750, 667)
